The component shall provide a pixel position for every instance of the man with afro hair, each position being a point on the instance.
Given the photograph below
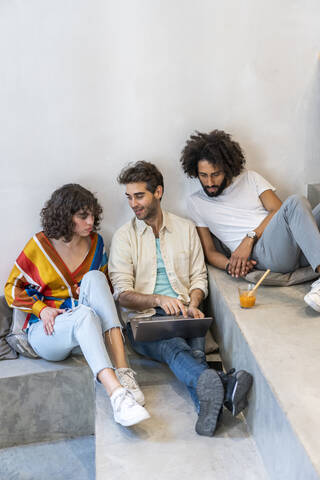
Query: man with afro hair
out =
(240, 208)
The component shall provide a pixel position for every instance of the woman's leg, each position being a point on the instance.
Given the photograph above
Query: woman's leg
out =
(95, 293)
(114, 342)
(109, 380)
(82, 327)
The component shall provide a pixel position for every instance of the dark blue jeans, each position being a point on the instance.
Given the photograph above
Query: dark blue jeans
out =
(185, 358)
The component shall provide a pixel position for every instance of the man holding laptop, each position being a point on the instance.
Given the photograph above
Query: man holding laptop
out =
(157, 267)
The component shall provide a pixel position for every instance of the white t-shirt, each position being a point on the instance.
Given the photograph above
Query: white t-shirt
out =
(235, 212)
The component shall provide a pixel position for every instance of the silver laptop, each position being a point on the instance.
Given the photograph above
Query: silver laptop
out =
(147, 329)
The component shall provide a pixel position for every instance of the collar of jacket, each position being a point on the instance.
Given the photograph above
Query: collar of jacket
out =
(141, 226)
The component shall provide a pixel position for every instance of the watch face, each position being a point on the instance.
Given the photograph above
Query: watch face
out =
(251, 234)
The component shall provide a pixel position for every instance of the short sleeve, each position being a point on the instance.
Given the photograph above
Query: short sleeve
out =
(193, 213)
(261, 184)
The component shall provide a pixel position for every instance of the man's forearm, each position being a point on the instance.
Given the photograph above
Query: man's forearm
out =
(272, 204)
(196, 297)
(240, 260)
(138, 301)
(217, 259)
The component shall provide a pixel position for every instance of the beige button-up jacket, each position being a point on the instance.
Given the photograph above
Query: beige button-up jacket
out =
(133, 261)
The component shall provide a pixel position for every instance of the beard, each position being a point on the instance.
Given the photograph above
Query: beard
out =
(147, 213)
(218, 191)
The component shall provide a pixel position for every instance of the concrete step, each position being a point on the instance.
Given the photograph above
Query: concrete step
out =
(166, 447)
(72, 459)
(278, 341)
(45, 401)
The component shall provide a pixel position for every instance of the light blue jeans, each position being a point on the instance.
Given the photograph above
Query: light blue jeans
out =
(82, 326)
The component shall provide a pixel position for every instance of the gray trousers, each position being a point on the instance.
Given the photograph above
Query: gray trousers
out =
(291, 239)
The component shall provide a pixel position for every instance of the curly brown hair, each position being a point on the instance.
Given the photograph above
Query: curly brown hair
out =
(217, 148)
(56, 216)
(142, 172)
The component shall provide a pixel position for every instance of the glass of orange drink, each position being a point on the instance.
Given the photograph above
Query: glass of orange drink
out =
(247, 300)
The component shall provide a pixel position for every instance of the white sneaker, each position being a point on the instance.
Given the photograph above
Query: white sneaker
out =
(127, 380)
(313, 297)
(126, 410)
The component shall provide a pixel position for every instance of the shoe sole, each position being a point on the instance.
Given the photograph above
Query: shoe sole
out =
(210, 393)
(133, 421)
(311, 303)
(240, 392)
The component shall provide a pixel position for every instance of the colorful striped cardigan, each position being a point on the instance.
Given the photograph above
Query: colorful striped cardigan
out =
(41, 279)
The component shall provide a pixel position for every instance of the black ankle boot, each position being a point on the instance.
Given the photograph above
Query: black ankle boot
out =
(236, 388)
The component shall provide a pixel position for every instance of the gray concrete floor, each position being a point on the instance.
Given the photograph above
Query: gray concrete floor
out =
(166, 447)
(72, 459)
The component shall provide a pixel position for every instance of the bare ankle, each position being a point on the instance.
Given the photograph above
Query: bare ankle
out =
(114, 390)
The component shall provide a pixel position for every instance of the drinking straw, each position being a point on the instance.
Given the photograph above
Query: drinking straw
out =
(251, 292)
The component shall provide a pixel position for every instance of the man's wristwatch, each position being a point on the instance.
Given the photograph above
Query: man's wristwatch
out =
(252, 235)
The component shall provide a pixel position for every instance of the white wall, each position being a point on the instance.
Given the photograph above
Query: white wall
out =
(86, 86)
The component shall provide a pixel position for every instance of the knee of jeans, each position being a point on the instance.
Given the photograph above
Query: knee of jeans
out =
(87, 316)
(173, 346)
(296, 200)
(93, 276)
(83, 309)
(198, 354)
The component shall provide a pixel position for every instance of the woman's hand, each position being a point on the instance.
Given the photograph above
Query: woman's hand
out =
(48, 316)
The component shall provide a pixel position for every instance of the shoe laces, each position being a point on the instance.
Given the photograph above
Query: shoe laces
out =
(127, 378)
(224, 376)
(124, 396)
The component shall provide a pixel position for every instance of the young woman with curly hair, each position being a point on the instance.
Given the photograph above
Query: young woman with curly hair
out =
(60, 281)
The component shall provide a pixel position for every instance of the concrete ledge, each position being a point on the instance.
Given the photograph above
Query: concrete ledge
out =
(278, 341)
(45, 401)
